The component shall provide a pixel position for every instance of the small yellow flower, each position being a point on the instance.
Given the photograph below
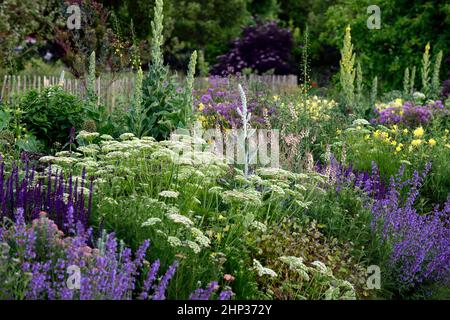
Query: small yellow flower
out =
(366, 137)
(446, 131)
(405, 131)
(394, 143)
(418, 132)
(226, 229)
(394, 128)
(432, 142)
(201, 106)
(338, 131)
(416, 142)
(358, 127)
(447, 146)
(276, 98)
(398, 149)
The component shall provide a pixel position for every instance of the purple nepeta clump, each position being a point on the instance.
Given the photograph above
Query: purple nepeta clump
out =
(63, 199)
(52, 266)
(410, 114)
(420, 242)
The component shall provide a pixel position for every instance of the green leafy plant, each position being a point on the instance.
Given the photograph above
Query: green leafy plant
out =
(50, 114)
(164, 100)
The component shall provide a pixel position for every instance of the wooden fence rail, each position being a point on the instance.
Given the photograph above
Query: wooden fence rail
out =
(110, 90)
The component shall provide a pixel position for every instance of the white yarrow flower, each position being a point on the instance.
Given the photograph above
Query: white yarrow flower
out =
(262, 271)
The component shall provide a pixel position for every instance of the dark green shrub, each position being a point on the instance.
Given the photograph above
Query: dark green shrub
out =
(51, 114)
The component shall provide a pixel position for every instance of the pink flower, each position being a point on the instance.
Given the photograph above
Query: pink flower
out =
(228, 277)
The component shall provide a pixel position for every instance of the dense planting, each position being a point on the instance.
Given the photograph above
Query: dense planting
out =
(168, 195)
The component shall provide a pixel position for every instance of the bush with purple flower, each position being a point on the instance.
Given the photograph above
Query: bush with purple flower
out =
(219, 104)
(261, 48)
(420, 242)
(410, 114)
(38, 261)
(67, 200)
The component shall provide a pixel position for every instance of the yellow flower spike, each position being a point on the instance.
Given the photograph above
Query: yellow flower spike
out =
(427, 47)
(418, 132)
(432, 142)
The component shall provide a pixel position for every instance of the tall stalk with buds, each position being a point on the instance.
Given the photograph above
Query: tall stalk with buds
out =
(347, 74)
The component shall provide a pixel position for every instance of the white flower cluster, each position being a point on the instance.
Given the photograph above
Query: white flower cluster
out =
(169, 194)
(200, 238)
(262, 271)
(259, 226)
(174, 241)
(247, 197)
(178, 218)
(296, 264)
(151, 222)
(84, 135)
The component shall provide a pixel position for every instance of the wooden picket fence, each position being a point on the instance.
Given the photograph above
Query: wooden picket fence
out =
(110, 90)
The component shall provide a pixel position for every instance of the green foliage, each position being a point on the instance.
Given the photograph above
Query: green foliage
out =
(20, 18)
(374, 91)
(426, 70)
(435, 80)
(406, 88)
(320, 265)
(14, 281)
(305, 67)
(137, 116)
(203, 66)
(405, 30)
(50, 114)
